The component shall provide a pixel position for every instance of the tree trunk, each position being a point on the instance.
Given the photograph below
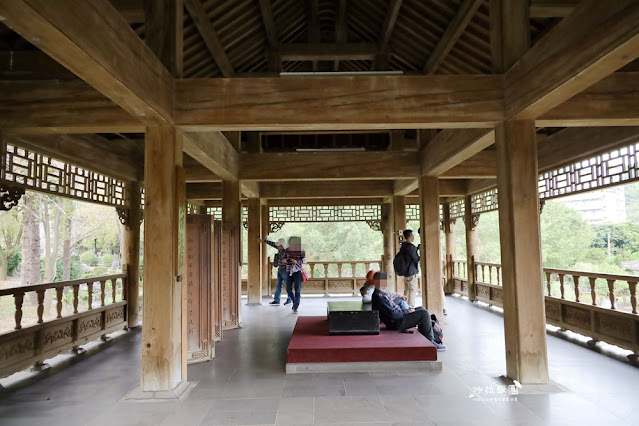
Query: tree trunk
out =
(66, 251)
(4, 265)
(30, 270)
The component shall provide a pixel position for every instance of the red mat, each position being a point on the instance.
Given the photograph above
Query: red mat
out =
(311, 342)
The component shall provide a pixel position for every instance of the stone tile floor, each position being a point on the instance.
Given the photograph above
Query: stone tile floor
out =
(246, 384)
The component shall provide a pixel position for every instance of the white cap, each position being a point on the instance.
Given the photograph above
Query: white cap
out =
(282, 242)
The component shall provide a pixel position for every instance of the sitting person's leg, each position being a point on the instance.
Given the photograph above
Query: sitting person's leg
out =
(420, 318)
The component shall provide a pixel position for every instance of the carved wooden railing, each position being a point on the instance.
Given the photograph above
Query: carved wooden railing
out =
(601, 306)
(460, 276)
(328, 277)
(36, 337)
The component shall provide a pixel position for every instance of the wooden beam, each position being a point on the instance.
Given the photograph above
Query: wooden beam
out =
(250, 189)
(340, 103)
(341, 28)
(93, 41)
(61, 107)
(209, 35)
(456, 27)
(476, 186)
(204, 191)
(575, 144)
(389, 24)
(163, 32)
(328, 165)
(199, 173)
(132, 11)
(314, 34)
(552, 8)
(328, 51)
(451, 147)
(481, 165)
(614, 101)
(119, 159)
(572, 57)
(325, 202)
(266, 10)
(327, 189)
(212, 150)
(496, 42)
(405, 186)
(452, 187)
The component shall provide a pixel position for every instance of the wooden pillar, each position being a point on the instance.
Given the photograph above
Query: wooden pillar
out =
(451, 249)
(396, 140)
(266, 270)
(432, 294)
(163, 21)
(399, 218)
(254, 284)
(389, 246)
(519, 229)
(165, 220)
(132, 253)
(231, 251)
(201, 210)
(470, 221)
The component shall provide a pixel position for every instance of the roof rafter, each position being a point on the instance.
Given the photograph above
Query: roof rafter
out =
(209, 35)
(341, 28)
(266, 10)
(454, 30)
(387, 30)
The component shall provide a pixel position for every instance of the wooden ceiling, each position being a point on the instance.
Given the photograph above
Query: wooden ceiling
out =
(251, 37)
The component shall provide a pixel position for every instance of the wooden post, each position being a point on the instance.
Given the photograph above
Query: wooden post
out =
(389, 247)
(451, 249)
(165, 216)
(131, 253)
(432, 294)
(399, 218)
(266, 269)
(524, 312)
(231, 246)
(254, 284)
(470, 222)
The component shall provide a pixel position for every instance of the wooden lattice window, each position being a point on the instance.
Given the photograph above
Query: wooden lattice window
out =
(484, 202)
(412, 212)
(325, 213)
(457, 209)
(34, 171)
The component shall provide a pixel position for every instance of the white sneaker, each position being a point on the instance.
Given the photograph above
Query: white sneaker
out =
(294, 311)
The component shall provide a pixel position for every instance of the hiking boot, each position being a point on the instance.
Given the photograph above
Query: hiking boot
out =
(288, 302)
(274, 303)
(294, 311)
(440, 347)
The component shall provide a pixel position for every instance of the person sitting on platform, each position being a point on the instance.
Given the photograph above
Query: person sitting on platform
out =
(368, 288)
(396, 318)
(279, 261)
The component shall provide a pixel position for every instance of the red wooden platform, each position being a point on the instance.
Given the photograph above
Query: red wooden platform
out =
(311, 343)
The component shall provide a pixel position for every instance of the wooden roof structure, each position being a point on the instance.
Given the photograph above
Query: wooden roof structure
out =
(398, 76)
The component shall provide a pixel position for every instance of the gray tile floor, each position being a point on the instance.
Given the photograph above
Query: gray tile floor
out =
(246, 384)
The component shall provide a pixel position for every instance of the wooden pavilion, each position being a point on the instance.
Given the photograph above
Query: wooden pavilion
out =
(474, 105)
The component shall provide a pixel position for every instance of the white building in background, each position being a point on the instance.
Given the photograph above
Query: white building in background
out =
(604, 205)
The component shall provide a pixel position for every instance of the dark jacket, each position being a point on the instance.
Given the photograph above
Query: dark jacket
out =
(389, 312)
(409, 252)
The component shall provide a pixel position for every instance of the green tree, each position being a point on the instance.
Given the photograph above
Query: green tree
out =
(565, 236)
(10, 235)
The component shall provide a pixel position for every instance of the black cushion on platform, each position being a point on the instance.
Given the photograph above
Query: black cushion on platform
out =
(352, 318)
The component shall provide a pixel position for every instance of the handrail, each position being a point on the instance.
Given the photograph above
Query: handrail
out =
(605, 276)
(60, 284)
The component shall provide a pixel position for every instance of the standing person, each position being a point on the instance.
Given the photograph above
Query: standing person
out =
(295, 258)
(408, 252)
(279, 261)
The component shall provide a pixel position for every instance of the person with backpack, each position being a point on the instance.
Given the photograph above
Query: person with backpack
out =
(279, 262)
(406, 264)
(396, 318)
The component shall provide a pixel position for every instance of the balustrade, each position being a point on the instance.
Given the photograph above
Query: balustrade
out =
(39, 334)
(609, 315)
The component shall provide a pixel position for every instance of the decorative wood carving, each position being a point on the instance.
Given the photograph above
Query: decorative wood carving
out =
(9, 196)
(375, 225)
(276, 226)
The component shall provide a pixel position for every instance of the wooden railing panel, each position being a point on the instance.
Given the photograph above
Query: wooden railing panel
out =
(33, 343)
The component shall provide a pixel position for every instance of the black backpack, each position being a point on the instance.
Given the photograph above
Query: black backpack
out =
(400, 265)
(438, 334)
